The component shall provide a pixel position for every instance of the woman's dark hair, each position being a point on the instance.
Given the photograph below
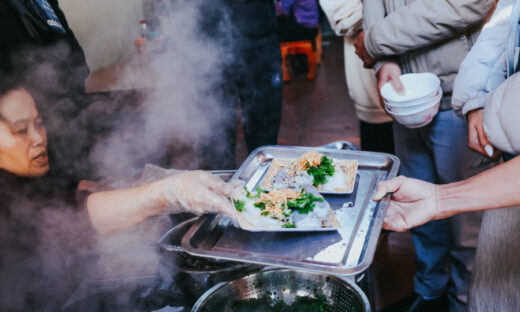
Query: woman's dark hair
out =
(8, 84)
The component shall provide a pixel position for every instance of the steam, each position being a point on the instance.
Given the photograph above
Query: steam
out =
(182, 106)
(179, 108)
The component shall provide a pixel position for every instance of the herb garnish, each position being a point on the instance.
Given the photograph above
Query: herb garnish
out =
(304, 203)
(260, 205)
(321, 172)
(257, 195)
(248, 194)
(239, 205)
(259, 191)
(288, 225)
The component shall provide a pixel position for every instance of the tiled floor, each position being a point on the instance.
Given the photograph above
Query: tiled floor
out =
(319, 112)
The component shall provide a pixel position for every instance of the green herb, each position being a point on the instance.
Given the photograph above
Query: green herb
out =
(304, 203)
(260, 205)
(289, 225)
(321, 172)
(264, 213)
(239, 205)
(259, 190)
(248, 194)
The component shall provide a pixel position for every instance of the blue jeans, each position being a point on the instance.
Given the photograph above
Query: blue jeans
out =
(445, 249)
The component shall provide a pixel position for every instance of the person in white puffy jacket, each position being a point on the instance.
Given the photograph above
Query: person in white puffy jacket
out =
(493, 58)
(375, 125)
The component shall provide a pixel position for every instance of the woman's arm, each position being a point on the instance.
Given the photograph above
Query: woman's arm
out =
(196, 192)
(422, 23)
(414, 202)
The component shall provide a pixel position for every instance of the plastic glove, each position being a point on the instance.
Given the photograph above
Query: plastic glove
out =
(196, 192)
(413, 203)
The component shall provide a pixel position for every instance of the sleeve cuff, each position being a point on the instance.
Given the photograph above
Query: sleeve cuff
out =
(381, 62)
(475, 103)
(371, 45)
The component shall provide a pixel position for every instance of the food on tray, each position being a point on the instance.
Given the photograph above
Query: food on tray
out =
(325, 173)
(283, 208)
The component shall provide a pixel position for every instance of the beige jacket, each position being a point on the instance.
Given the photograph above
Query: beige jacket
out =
(424, 35)
(345, 17)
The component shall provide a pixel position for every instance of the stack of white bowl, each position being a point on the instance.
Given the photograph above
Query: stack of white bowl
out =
(419, 103)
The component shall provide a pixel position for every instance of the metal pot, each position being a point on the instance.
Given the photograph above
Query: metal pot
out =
(286, 285)
(196, 274)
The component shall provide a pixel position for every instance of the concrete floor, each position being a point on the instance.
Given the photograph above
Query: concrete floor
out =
(319, 112)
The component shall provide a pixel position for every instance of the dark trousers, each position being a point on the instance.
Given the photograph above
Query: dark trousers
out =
(253, 84)
(290, 30)
(377, 137)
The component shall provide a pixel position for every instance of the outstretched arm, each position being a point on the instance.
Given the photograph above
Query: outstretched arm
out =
(196, 192)
(414, 202)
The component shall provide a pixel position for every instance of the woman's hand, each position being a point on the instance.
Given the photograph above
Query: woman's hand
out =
(197, 192)
(413, 203)
(477, 139)
(390, 72)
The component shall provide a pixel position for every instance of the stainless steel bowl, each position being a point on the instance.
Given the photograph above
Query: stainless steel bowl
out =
(286, 285)
(192, 274)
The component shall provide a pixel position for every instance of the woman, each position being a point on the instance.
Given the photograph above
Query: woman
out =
(42, 221)
(375, 125)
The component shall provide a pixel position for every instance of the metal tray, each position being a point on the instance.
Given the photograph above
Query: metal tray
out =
(348, 251)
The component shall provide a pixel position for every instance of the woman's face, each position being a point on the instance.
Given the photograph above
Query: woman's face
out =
(23, 139)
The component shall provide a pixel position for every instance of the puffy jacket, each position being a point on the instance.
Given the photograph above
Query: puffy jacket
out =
(490, 61)
(482, 78)
(345, 17)
(424, 35)
(501, 115)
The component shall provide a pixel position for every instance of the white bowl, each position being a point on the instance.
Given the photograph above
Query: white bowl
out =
(407, 107)
(419, 118)
(416, 86)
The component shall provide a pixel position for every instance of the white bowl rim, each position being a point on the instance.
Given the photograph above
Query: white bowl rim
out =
(438, 94)
(416, 75)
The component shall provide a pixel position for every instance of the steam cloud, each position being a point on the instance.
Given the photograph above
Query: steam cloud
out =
(183, 107)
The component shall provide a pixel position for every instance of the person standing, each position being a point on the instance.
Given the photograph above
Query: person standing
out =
(375, 125)
(252, 76)
(430, 36)
(486, 92)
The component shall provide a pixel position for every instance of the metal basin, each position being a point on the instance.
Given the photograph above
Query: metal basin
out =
(286, 285)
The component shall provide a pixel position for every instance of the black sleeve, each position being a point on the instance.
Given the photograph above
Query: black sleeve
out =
(77, 57)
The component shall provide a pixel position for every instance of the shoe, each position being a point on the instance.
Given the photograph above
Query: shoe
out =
(416, 303)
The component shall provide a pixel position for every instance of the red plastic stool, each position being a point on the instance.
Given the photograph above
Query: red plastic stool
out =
(299, 47)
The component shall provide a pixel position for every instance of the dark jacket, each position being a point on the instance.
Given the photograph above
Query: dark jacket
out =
(53, 61)
(45, 239)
